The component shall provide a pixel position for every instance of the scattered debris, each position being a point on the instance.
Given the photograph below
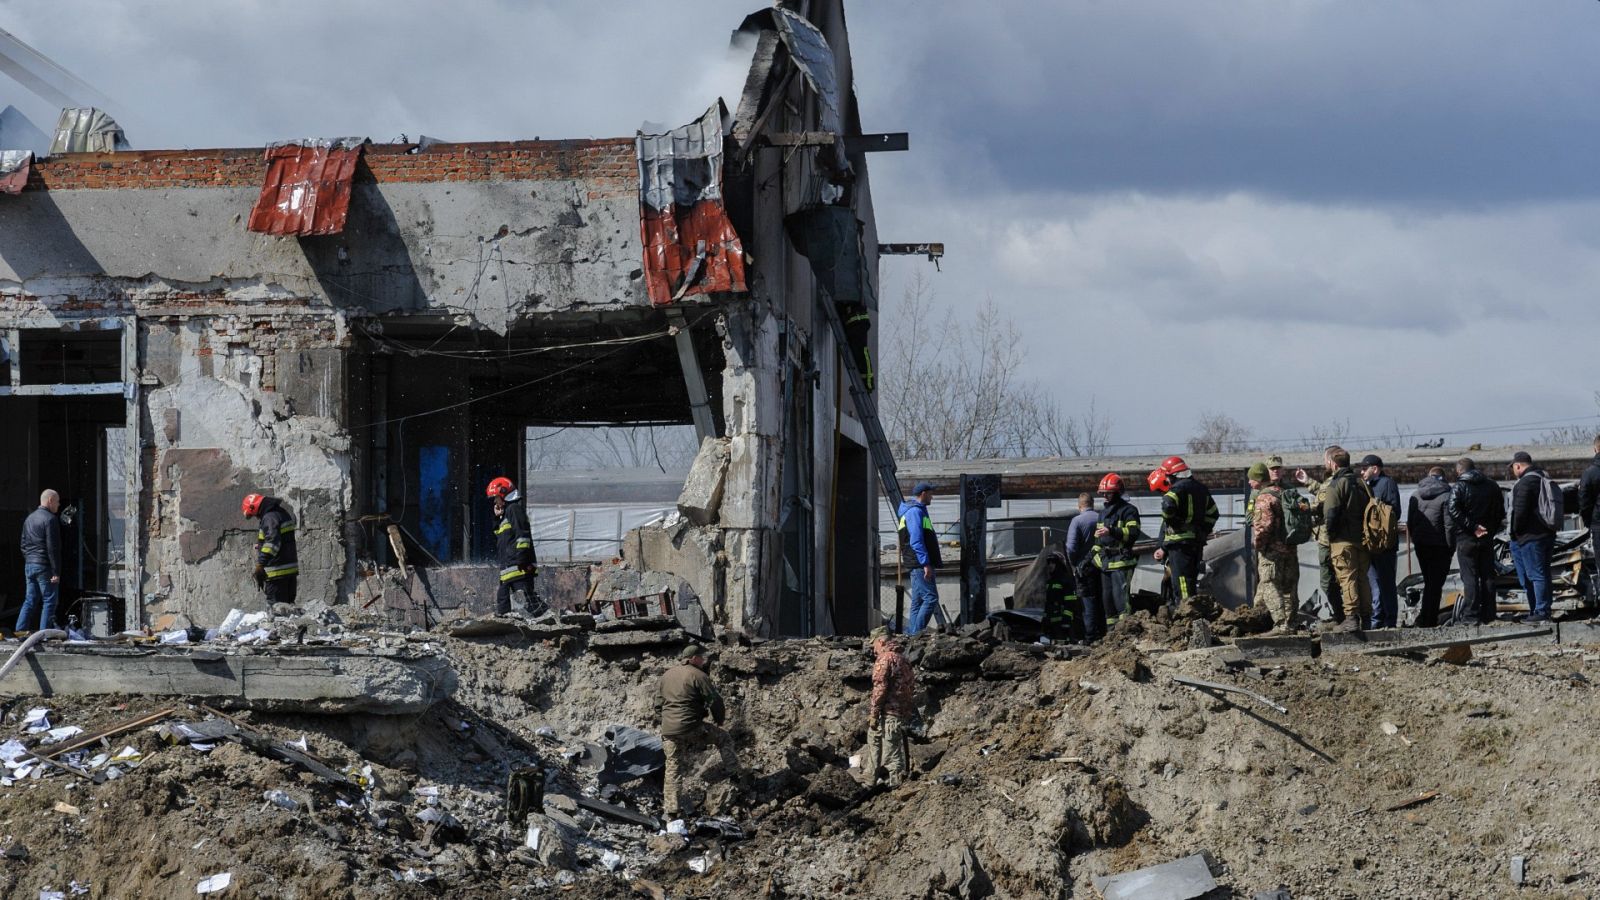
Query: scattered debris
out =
(215, 884)
(1414, 801)
(1180, 879)
(1213, 686)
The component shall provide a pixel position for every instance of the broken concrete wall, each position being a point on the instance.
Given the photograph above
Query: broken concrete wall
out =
(239, 404)
(492, 232)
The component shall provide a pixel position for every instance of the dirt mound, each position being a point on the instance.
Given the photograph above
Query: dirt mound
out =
(1034, 769)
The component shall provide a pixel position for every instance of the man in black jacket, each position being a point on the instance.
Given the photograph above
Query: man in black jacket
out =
(513, 539)
(1532, 538)
(1589, 498)
(1477, 512)
(1381, 570)
(1428, 530)
(41, 563)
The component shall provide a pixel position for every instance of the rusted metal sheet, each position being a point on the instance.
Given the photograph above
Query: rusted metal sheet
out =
(14, 168)
(690, 246)
(307, 189)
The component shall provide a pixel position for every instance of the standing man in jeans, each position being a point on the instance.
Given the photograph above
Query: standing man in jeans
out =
(1589, 503)
(41, 556)
(1080, 544)
(919, 552)
(1382, 564)
(1532, 538)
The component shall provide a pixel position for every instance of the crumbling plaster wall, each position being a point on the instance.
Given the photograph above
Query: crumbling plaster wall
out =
(234, 404)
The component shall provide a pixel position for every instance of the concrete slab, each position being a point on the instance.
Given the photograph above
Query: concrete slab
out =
(1288, 646)
(1586, 633)
(328, 682)
(632, 639)
(1362, 641)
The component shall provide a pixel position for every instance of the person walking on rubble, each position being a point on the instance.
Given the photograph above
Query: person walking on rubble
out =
(1114, 536)
(1533, 537)
(277, 571)
(1080, 546)
(41, 563)
(1328, 584)
(1277, 561)
(1427, 528)
(889, 710)
(513, 543)
(684, 697)
(1383, 565)
(919, 552)
(1188, 515)
(1344, 508)
(1477, 512)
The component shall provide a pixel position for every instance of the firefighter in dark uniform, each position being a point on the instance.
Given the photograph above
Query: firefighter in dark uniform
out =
(1061, 601)
(858, 332)
(1188, 515)
(277, 570)
(1113, 554)
(513, 543)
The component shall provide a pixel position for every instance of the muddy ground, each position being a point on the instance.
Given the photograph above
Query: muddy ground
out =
(1034, 773)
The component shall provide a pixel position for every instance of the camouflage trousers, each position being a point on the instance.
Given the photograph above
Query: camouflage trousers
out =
(1278, 586)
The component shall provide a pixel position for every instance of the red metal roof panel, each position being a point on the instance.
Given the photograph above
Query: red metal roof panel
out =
(307, 189)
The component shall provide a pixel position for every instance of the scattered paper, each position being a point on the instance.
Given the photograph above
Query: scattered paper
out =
(181, 636)
(611, 859)
(677, 826)
(78, 888)
(52, 895)
(700, 864)
(37, 719)
(255, 637)
(11, 751)
(534, 833)
(855, 761)
(302, 746)
(215, 884)
(57, 735)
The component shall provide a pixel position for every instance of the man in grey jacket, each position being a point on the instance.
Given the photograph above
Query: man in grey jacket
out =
(41, 563)
(1428, 528)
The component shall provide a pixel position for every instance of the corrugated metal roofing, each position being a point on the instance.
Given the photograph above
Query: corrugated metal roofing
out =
(690, 247)
(87, 130)
(307, 188)
(14, 168)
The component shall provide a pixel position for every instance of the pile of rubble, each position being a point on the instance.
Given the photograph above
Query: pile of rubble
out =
(1165, 755)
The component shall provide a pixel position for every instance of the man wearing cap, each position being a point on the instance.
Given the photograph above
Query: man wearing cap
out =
(684, 696)
(919, 552)
(1383, 563)
(1344, 506)
(1532, 538)
(888, 710)
(1277, 562)
(1319, 533)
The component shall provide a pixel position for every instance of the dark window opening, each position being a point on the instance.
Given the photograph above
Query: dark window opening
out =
(70, 357)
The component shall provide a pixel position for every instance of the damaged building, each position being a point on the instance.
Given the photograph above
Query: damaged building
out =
(369, 330)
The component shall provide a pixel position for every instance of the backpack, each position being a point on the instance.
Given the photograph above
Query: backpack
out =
(1296, 516)
(1552, 502)
(1380, 532)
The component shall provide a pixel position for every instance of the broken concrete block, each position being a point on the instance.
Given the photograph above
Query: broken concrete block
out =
(613, 639)
(1007, 662)
(1277, 647)
(946, 653)
(701, 498)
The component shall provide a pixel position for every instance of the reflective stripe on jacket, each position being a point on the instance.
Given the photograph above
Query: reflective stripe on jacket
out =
(1188, 512)
(919, 544)
(1114, 550)
(275, 540)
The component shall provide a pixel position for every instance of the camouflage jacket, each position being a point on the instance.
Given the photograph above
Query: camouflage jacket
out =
(892, 684)
(1266, 523)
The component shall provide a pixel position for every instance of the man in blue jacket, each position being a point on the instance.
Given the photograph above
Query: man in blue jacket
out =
(41, 557)
(1382, 569)
(919, 552)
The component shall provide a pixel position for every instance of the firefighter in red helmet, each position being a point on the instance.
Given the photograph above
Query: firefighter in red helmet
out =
(1114, 537)
(1188, 515)
(513, 541)
(277, 569)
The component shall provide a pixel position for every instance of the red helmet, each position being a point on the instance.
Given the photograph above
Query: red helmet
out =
(251, 504)
(1159, 481)
(1174, 465)
(500, 487)
(1111, 484)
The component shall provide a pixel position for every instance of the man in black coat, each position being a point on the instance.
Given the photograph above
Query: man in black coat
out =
(1532, 538)
(1589, 498)
(1477, 512)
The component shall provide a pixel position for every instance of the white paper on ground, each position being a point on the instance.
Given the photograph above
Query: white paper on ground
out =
(57, 735)
(215, 883)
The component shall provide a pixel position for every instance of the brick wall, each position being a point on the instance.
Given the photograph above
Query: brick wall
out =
(609, 166)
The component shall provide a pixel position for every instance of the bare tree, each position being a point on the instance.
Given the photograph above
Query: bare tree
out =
(1321, 436)
(949, 387)
(1570, 434)
(663, 447)
(1220, 433)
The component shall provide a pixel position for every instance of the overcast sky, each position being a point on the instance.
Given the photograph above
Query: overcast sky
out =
(1291, 211)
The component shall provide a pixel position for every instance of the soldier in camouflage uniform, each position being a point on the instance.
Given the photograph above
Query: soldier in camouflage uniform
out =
(1277, 563)
(1326, 581)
